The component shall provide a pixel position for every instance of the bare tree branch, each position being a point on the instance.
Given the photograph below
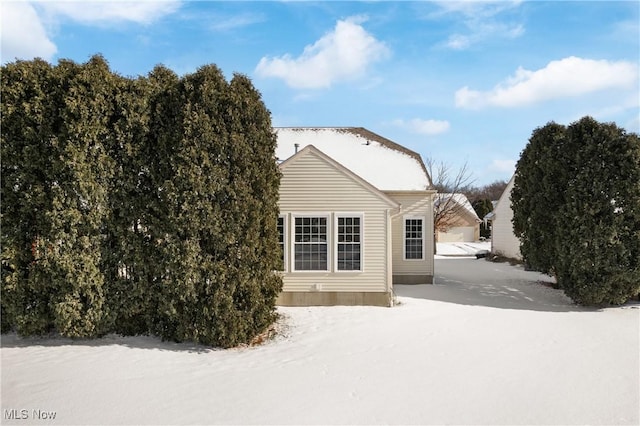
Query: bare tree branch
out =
(450, 187)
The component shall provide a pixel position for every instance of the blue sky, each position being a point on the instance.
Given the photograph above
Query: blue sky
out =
(455, 81)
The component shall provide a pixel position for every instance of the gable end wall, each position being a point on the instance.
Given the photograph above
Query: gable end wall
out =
(503, 240)
(311, 185)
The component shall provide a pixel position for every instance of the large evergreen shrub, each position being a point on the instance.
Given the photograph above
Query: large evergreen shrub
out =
(576, 203)
(598, 242)
(28, 151)
(126, 253)
(538, 193)
(482, 207)
(55, 193)
(134, 206)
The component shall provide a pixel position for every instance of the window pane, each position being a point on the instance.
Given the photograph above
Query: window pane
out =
(413, 239)
(349, 255)
(413, 249)
(310, 252)
(311, 257)
(281, 239)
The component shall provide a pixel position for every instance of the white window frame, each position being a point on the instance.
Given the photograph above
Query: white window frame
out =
(285, 241)
(292, 244)
(347, 215)
(404, 236)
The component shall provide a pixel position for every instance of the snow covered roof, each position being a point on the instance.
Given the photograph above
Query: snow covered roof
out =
(379, 161)
(459, 199)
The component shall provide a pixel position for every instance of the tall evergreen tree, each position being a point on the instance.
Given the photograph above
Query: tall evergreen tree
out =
(214, 291)
(137, 205)
(538, 193)
(194, 180)
(576, 203)
(599, 243)
(125, 258)
(256, 178)
(56, 121)
(28, 146)
(482, 207)
(79, 190)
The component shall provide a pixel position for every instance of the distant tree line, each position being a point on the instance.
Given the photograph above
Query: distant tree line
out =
(576, 204)
(482, 199)
(137, 205)
(489, 192)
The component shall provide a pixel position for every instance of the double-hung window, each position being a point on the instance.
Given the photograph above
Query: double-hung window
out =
(311, 243)
(349, 243)
(414, 238)
(282, 240)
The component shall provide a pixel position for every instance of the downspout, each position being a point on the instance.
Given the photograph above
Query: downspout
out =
(389, 255)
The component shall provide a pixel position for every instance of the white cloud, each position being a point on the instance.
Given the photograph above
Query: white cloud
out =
(503, 166)
(424, 127)
(341, 54)
(475, 9)
(480, 32)
(23, 35)
(481, 19)
(626, 30)
(106, 12)
(458, 42)
(567, 77)
(228, 23)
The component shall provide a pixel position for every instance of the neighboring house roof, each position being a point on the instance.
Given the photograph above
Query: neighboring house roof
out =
(460, 200)
(379, 161)
(489, 216)
(492, 214)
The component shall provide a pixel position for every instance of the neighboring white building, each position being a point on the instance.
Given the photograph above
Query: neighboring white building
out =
(503, 241)
(460, 222)
(356, 217)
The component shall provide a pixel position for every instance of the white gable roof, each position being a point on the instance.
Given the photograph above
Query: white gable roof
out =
(384, 164)
(459, 199)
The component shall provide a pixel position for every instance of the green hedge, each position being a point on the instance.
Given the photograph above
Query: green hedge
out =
(137, 206)
(576, 202)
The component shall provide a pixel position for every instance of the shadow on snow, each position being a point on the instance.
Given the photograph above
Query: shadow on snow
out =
(479, 282)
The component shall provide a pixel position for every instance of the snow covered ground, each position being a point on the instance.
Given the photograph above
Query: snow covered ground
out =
(487, 344)
(462, 249)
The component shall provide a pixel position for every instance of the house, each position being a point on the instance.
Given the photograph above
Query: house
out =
(456, 220)
(356, 217)
(503, 241)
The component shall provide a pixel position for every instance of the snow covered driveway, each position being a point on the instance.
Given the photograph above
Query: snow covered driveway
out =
(485, 345)
(479, 282)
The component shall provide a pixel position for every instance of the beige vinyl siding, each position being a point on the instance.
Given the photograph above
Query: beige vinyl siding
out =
(311, 186)
(459, 234)
(464, 227)
(503, 240)
(414, 204)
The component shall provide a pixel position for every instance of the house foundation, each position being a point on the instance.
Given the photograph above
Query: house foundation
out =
(332, 298)
(413, 279)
